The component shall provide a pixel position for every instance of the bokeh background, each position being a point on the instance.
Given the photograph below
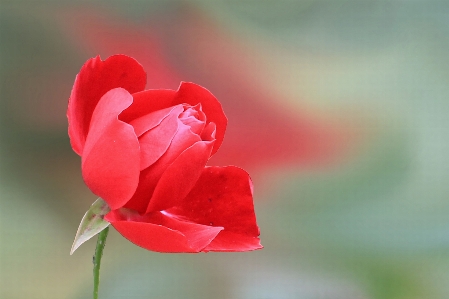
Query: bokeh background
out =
(337, 109)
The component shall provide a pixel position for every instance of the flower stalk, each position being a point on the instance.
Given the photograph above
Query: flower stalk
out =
(101, 242)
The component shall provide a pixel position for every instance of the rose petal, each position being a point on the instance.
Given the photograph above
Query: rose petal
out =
(223, 197)
(195, 118)
(208, 132)
(149, 177)
(180, 177)
(153, 119)
(193, 94)
(155, 142)
(161, 232)
(107, 171)
(95, 78)
(148, 101)
(229, 241)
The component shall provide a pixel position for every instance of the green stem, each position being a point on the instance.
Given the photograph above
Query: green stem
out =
(97, 258)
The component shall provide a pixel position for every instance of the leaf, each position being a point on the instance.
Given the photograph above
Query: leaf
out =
(91, 224)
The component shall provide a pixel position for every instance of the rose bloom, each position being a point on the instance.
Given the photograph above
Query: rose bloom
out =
(144, 152)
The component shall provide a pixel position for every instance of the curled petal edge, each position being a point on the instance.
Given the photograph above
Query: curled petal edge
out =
(95, 78)
(161, 232)
(106, 171)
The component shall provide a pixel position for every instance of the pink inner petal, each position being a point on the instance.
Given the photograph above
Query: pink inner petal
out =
(151, 120)
(193, 94)
(150, 176)
(208, 132)
(194, 118)
(155, 142)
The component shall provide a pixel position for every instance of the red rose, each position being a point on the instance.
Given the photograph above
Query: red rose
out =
(144, 152)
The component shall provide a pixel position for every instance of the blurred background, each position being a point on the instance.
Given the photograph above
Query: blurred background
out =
(337, 109)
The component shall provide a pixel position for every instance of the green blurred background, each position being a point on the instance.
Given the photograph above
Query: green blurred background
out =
(337, 109)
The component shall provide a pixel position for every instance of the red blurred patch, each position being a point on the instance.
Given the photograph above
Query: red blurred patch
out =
(188, 46)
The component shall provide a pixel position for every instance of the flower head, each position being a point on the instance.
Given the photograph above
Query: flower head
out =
(145, 153)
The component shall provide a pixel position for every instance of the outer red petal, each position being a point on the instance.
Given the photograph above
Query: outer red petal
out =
(148, 101)
(95, 78)
(111, 155)
(161, 232)
(229, 241)
(180, 177)
(223, 197)
(193, 94)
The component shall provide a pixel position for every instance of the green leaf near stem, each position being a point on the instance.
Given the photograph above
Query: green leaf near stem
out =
(91, 224)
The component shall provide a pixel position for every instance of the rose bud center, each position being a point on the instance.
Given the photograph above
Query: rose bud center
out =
(193, 117)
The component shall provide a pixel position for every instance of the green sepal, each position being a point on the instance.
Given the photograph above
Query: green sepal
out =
(92, 223)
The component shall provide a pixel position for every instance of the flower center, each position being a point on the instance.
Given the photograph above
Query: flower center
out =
(193, 117)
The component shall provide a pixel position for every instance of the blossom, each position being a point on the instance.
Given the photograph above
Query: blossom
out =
(144, 152)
